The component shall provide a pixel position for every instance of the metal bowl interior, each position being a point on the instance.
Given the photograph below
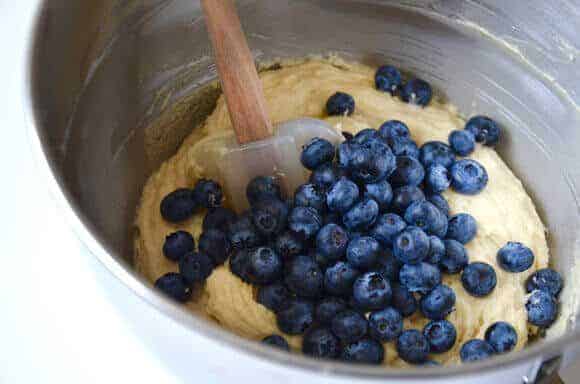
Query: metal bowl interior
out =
(116, 85)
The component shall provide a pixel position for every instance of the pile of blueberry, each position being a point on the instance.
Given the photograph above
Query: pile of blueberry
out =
(362, 245)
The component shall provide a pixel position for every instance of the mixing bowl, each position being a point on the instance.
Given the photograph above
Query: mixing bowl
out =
(115, 86)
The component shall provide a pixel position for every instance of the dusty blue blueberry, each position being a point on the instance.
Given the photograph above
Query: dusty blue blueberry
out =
(385, 324)
(484, 129)
(342, 195)
(317, 152)
(208, 193)
(515, 257)
(547, 280)
(479, 279)
(387, 265)
(380, 192)
(371, 161)
(405, 196)
(429, 218)
(288, 245)
(305, 221)
(462, 142)
(411, 246)
(340, 104)
(214, 243)
(412, 346)
(394, 130)
(178, 244)
(388, 79)
(264, 265)
(421, 278)
(438, 303)
(403, 300)
(437, 179)
(468, 177)
(261, 188)
(364, 351)
(304, 277)
(455, 258)
(332, 241)
(326, 175)
(436, 250)
(310, 195)
(174, 286)
(501, 336)
(219, 218)
(320, 343)
(273, 296)
(409, 171)
(542, 309)
(436, 152)
(269, 216)
(362, 215)
(295, 317)
(339, 279)
(387, 228)
(417, 91)
(195, 267)
(365, 135)
(441, 335)
(349, 326)
(327, 308)
(404, 147)
(276, 341)
(462, 227)
(440, 202)
(179, 205)
(242, 234)
(362, 252)
(475, 350)
(239, 264)
(371, 291)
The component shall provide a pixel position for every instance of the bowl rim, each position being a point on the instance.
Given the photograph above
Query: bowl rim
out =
(143, 289)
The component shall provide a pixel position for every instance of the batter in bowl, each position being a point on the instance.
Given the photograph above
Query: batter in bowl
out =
(503, 210)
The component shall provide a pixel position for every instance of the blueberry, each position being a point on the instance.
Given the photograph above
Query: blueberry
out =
(409, 171)
(484, 129)
(502, 337)
(403, 300)
(475, 350)
(437, 179)
(430, 363)
(462, 142)
(195, 267)
(371, 291)
(370, 162)
(262, 187)
(362, 252)
(320, 343)
(411, 246)
(344, 153)
(174, 285)
(269, 216)
(380, 192)
(328, 308)
(404, 147)
(178, 206)
(178, 244)
(387, 265)
(515, 257)
(340, 104)
(213, 243)
(441, 335)
(295, 317)
(385, 325)
(242, 234)
(455, 258)
(208, 193)
(331, 242)
(304, 277)
(273, 296)
(310, 195)
(438, 303)
(342, 195)
(412, 346)
(394, 130)
(436, 152)
(387, 228)
(325, 175)
(305, 221)
(417, 91)
(288, 245)
(421, 278)
(364, 351)
(468, 177)
(317, 152)
(405, 196)
(239, 264)
(339, 278)
(365, 135)
(542, 309)
(546, 280)
(264, 265)
(429, 218)
(388, 79)
(349, 326)
(219, 218)
(440, 202)
(362, 215)
(436, 250)
(276, 341)
(462, 227)
(479, 279)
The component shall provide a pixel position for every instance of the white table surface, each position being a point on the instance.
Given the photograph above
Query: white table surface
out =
(64, 318)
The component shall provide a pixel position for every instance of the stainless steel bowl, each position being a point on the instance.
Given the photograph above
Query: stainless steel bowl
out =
(113, 88)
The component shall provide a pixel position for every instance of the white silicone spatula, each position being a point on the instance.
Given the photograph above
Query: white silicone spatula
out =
(257, 148)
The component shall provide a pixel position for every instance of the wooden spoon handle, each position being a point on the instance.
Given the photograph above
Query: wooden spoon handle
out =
(239, 78)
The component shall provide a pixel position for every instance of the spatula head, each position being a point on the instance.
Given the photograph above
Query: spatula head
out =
(234, 165)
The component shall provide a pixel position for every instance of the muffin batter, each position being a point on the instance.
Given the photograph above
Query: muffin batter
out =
(503, 210)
